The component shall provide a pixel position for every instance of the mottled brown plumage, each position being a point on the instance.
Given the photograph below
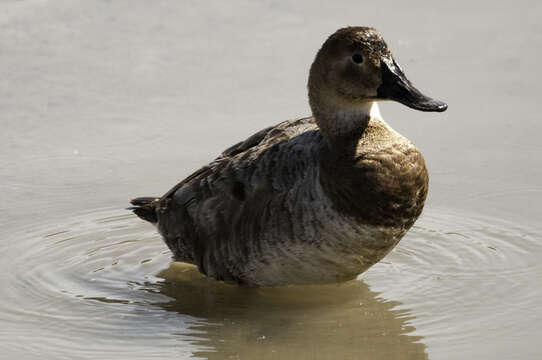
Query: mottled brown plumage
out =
(312, 200)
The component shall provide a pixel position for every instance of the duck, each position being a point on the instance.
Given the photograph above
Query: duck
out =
(313, 200)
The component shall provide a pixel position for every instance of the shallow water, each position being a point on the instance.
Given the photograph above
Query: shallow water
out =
(106, 100)
(104, 284)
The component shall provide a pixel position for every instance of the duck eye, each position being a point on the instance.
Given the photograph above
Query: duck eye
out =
(357, 58)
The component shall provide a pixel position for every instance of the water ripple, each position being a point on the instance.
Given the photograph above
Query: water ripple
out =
(103, 282)
(468, 270)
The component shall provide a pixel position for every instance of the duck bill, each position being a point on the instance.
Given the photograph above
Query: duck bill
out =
(395, 86)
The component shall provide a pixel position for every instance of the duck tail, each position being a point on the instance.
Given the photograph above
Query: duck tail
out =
(145, 208)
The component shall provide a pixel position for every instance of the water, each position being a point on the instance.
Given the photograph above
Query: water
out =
(106, 100)
(104, 285)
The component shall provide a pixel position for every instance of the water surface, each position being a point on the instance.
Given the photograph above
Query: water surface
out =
(106, 100)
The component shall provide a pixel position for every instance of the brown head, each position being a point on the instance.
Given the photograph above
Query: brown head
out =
(355, 67)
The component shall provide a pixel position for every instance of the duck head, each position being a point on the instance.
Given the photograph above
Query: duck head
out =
(354, 67)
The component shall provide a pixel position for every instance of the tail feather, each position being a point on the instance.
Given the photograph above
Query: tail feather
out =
(145, 208)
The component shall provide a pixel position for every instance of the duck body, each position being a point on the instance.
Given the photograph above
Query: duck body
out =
(313, 200)
(281, 208)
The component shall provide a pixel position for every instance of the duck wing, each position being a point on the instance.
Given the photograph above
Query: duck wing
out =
(200, 218)
(238, 148)
(265, 138)
(145, 207)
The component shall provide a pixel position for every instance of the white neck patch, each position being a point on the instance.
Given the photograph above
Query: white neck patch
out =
(374, 111)
(345, 120)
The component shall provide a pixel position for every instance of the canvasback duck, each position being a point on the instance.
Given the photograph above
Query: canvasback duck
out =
(312, 200)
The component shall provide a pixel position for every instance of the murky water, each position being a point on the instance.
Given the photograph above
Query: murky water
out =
(103, 284)
(106, 100)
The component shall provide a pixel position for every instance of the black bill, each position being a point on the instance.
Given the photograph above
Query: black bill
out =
(395, 86)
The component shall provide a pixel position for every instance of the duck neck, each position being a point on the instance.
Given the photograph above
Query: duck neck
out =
(343, 128)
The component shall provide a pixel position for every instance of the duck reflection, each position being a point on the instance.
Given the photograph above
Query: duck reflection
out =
(345, 321)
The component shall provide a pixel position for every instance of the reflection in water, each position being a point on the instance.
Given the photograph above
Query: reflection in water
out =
(345, 321)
